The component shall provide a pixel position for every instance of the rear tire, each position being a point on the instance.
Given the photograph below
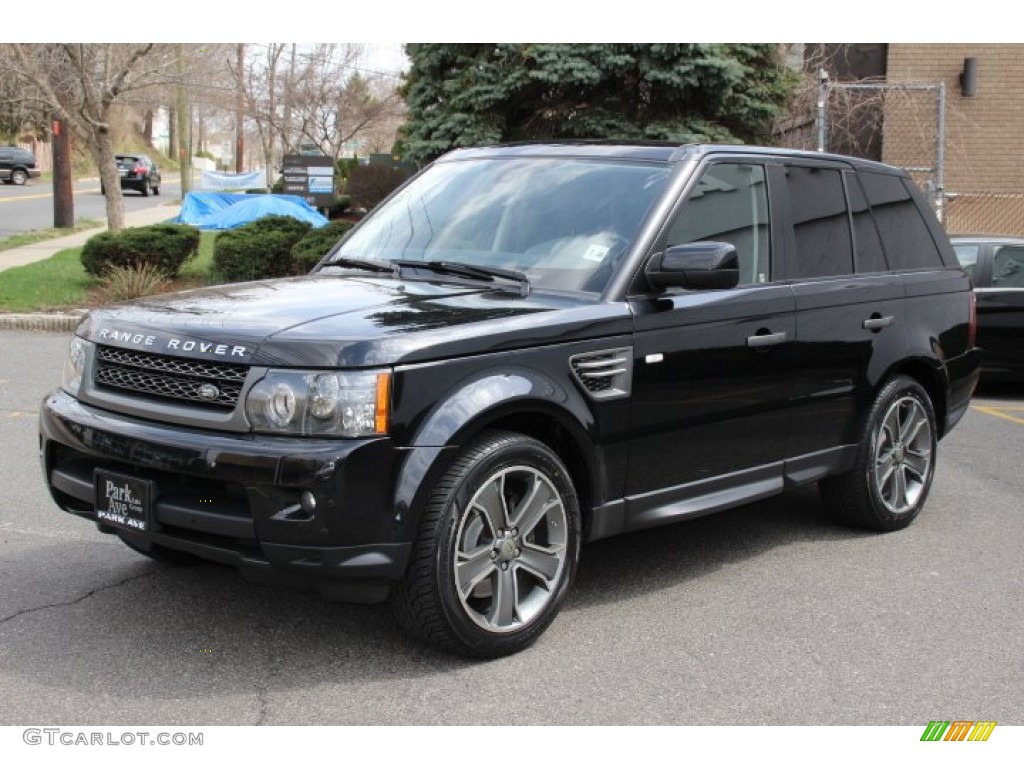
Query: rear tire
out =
(890, 481)
(145, 188)
(18, 177)
(497, 551)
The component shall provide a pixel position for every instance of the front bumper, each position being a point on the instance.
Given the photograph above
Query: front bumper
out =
(235, 498)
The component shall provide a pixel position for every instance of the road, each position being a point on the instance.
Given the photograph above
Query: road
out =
(768, 614)
(30, 207)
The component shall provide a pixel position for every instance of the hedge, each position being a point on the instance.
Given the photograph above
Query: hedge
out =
(258, 250)
(310, 249)
(164, 247)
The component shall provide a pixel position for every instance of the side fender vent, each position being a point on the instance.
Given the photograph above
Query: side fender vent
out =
(605, 374)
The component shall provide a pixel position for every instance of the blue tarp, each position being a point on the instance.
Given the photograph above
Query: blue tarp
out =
(222, 210)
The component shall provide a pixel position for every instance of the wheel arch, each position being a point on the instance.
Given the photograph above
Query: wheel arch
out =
(930, 375)
(536, 407)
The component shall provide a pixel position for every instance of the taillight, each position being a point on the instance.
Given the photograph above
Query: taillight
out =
(140, 168)
(972, 326)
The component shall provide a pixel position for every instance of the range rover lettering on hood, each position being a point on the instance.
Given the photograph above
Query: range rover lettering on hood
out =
(162, 343)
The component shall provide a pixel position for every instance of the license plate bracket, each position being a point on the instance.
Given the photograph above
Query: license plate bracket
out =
(123, 501)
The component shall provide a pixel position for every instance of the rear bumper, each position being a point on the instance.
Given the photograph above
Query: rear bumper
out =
(236, 499)
(964, 372)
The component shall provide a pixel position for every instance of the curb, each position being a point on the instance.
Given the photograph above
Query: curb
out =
(64, 322)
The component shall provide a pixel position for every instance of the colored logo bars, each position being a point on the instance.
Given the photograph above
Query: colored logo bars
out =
(958, 730)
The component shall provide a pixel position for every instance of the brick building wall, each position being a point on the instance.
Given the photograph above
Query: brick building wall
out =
(984, 172)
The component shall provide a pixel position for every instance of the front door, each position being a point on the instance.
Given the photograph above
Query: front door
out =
(713, 369)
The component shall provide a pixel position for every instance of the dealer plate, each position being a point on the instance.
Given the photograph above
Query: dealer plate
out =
(123, 501)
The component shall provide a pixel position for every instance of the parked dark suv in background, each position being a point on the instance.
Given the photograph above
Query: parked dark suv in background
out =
(17, 165)
(523, 349)
(138, 172)
(996, 265)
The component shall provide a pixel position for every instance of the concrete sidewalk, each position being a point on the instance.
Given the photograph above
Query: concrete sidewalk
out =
(27, 254)
(66, 320)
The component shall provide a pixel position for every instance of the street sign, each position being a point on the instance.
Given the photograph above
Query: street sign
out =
(310, 177)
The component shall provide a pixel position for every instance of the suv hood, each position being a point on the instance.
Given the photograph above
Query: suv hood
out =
(347, 321)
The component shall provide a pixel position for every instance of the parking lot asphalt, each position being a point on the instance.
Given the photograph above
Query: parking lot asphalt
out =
(767, 614)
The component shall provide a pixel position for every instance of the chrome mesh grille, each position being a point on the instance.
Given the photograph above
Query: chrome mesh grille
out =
(169, 378)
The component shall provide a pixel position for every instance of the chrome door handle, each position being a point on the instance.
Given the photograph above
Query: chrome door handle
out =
(766, 339)
(876, 323)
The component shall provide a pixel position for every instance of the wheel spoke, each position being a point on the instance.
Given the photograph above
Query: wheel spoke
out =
(917, 462)
(506, 600)
(883, 471)
(490, 501)
(914, 430)
(890, 428)
(542, 562)
(899, 500)
(534, 507)
(472, 569)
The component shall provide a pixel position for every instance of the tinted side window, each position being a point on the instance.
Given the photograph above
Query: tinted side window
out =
(1008, 267)
(908, 244)
(868, 253)
(821, 223)
(729, 204)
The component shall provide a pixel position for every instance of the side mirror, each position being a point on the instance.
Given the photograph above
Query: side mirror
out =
(701, 265)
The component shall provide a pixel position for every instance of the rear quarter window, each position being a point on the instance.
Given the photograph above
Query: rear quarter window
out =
(908, 243)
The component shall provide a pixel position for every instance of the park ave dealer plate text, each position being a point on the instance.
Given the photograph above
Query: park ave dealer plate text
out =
(123, 501)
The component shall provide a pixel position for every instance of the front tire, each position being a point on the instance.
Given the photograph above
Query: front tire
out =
(890, 481)
(498, 547)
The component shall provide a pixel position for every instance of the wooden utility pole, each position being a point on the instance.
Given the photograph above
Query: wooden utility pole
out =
(184, 128)
(63, 181)
(240, 111)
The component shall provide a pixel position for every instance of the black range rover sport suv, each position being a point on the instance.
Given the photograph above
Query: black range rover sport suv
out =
(524, 349)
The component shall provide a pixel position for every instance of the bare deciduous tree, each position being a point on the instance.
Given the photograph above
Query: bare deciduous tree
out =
(317, 96)
(86, 83)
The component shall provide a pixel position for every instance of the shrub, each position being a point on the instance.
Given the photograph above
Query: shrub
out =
(258, 250)
(310, 249)
(123, 283)
(340, 206)
(165, 247)
(369, 184)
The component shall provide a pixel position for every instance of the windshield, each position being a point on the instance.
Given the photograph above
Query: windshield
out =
(562, 222)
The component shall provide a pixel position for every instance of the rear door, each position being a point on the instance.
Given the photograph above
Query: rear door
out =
(849, 314)
(713, 369)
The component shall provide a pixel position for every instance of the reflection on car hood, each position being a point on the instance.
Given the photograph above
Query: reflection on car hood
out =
(329, 321)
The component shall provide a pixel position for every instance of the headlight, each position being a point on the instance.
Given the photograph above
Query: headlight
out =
(74, 364)
(349, 404)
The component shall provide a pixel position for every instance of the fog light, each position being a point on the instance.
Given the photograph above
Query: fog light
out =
(308, 501)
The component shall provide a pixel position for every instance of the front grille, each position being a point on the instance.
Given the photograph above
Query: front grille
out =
(170, 378)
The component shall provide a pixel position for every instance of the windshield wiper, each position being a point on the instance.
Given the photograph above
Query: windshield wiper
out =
(459, 269)
(368, 264)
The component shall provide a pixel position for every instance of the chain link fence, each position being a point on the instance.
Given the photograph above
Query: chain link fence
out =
(901, 124)
(986, 213)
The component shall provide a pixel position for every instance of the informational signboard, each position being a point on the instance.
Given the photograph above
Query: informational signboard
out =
(310, 177)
